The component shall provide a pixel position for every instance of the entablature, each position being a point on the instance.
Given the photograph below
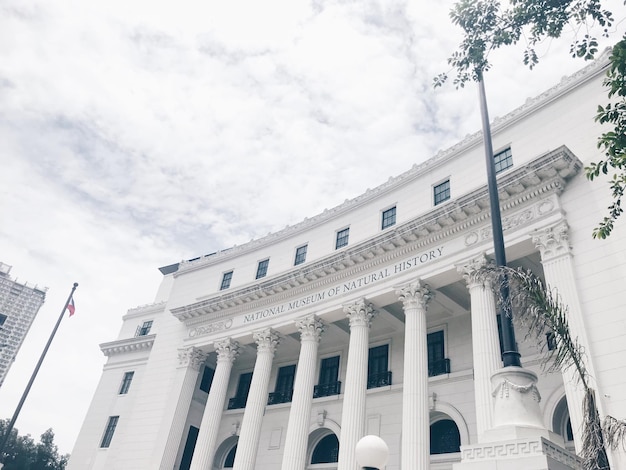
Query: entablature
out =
(518, 188)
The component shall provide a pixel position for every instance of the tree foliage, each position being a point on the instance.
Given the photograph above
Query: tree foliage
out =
(613, 143)
(540, 310)
(22, 453)
(488, 25)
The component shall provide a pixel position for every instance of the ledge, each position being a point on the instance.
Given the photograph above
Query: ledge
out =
(127, 345)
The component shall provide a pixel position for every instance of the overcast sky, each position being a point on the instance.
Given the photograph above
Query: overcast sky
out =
(134, 135)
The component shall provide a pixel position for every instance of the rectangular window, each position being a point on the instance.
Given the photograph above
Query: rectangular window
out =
(328, 384)
(437, 362)
(226, 278)
(442, 192)
(2, 319)
(243, 388)
(144, 329)
(261, 270)
(300, 255)
(128, 378)
(503, 160)
(207, 379)
(389, 218)
(190, 446)
(110, 430)
(342, 238)
(284, 385)
(378, 374)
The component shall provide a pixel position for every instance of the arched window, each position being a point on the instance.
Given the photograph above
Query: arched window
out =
(230, 458)
(561, 423)
(444, 437)
(326, 450)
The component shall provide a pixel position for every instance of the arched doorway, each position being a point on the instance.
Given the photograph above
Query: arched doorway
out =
(225, 453)
(562, 425)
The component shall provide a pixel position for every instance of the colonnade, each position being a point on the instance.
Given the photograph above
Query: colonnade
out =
(415, 297)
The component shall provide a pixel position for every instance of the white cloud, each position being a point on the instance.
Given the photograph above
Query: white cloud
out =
(136, 134)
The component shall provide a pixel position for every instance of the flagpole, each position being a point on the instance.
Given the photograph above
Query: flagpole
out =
(7, 433)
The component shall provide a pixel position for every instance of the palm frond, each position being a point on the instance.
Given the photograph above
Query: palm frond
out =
(540, 310)
(614, 431)
(593, 451)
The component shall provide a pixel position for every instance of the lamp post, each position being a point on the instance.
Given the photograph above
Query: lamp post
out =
(372, 453)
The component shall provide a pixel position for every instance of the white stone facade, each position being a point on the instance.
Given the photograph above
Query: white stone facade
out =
(342, 344)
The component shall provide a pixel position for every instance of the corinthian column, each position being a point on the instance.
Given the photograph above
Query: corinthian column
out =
(189, 362)
(485, 342)
(298, 426)
(360, 315)
(558, 269)
(227, 350)
(266, 341)
(415, 411)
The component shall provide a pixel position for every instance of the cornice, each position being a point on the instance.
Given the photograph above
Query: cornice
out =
(127, 345)
(543, 176)
(142, 310)
(499, 123)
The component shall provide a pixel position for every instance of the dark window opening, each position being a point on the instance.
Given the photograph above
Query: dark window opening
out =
(144, 329)
(438, 364)
(128, 378)
(190, 446)
(230, 458)
(503, 160)
(207, 379)
(243, 388)
(226, 278)
(110, 430)
(389, 218)
(261, 270)
(342, 238)
(284, 386)
(328, 383)
(442, 192)
(326, 450)
(300, 255)
(444, 437)
(378, 373)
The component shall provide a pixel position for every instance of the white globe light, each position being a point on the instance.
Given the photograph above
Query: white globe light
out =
(372, 451)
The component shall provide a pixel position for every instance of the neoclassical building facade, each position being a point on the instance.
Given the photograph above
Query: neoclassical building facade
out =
(370, 319)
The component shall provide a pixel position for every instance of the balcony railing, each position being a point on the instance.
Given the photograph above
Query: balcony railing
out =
(439, 367)
(236, 403)
(379, 380)
(279, 397)
(327, 390)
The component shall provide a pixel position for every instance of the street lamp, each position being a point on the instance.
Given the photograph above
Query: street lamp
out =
(371, 453)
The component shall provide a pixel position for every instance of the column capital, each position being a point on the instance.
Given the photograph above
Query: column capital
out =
(552, 241)
(266, 340)
(191, 357)
(310, 327)
(360, 313)
(227, 350)
(416, 293)
(472, 272)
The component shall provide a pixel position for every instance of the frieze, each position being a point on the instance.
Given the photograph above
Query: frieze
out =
(211, 328)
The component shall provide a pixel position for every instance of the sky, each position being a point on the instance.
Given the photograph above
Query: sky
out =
(137, 134)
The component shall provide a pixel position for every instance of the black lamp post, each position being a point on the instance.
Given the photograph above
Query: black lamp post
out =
(510, 355)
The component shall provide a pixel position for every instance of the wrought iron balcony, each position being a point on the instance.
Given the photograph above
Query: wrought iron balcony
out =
(379, 380)
(439, 367)
(279, 397)
(236, 403)
(327, 390)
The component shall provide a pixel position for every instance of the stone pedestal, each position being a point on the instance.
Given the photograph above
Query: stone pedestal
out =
(517, 440)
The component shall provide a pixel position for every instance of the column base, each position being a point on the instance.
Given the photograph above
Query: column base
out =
(518, 439)
(532, 453)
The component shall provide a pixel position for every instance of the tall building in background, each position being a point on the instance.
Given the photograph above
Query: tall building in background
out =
(19, 304)
(372, 318)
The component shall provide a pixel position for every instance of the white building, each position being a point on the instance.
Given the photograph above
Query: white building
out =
(19, 304)
(367, 318)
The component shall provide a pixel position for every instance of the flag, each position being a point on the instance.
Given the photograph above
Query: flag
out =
(71, 307)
